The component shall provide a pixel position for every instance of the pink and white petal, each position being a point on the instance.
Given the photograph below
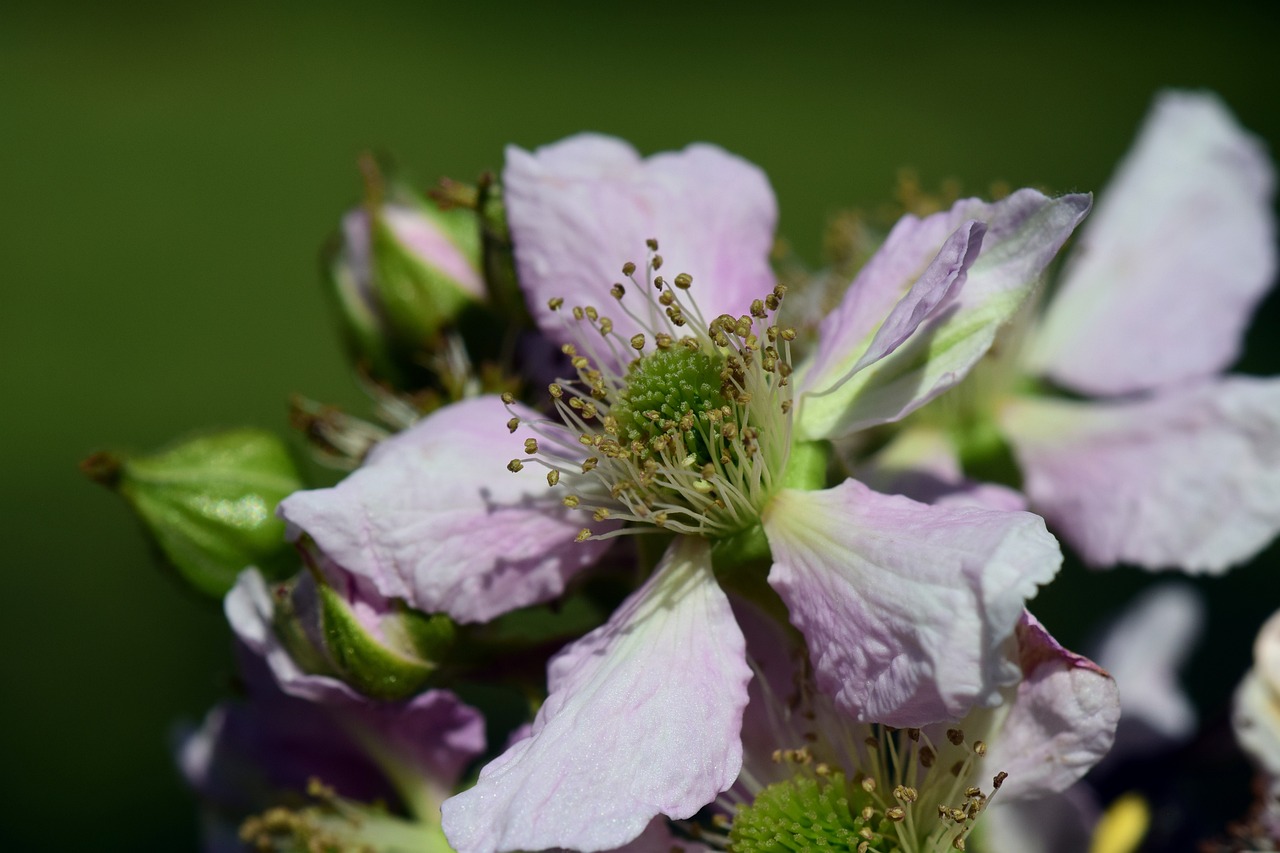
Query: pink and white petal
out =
(1173, 262)
(250, 609)
(1144, 650)
(581, 208)
(1189, 479)
(1059, 823)
(908, 609)
(643, 718)
(1062, 720)
(1023, 234)
(435, 518)
(921, 463)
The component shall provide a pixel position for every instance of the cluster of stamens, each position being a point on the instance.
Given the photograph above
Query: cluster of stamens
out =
(693, 435)
(894, 795)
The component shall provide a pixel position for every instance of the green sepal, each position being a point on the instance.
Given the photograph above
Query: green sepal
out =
(985, 454)
(209, 504)
(391, 670)
(807, 466)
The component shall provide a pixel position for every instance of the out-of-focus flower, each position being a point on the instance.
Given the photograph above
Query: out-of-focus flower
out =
(811, 774)
(209, 502)
(1167, 463)
(710, 434)
(302, 758)
(1256, 720)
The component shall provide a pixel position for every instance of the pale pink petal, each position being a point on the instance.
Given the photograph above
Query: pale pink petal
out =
(921, 463)
(581, 208)
(1190, 479)
(1171, 265)
(643, 718)
(1144, 650)
(1059, 823)
(1023, 234)
(432, 735)
(435, 518)
(1062, 720)
(907, 608)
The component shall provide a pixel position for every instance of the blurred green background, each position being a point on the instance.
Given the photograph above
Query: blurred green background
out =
(170, 171)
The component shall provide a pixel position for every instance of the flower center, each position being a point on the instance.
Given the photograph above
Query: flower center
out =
(686, 425)
(807, 814)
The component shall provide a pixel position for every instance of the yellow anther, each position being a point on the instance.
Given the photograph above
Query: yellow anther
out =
(569, 349)
(555, 390)
(571, 501)
(897, 814)
(589, 463)
(637, 342)
(531, 446)
(583, 535)
(684, 281)
(553, 477)
(555, 303)
(600, 514)
(515, 465)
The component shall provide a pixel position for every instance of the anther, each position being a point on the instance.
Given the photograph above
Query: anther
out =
(897, 814)
(589, 463)
(618, 291)
(508, 397)
(955, 736)
(515, 466)
(998, 780)
(684, 281)
(555, 390)
(531, 446)
(600, 514)
(980, 748)
(555, 303)
(553, 477)
(513, 424)
(628, 268)
(583, 535)
(656, 263)
(652, 243)
(571, 501)
(637, 342)
(869, 785)
(927, 756)
(757, 309)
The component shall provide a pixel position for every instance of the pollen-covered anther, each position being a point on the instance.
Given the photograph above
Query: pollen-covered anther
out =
(555, 303)
(601, 513)
(589, 464)
(897, 814)
(583, 535)
(637, 342)
(531, 446)
(513, 424)
(553, 477)
(684, 281)
(571, 501)
(515, 466)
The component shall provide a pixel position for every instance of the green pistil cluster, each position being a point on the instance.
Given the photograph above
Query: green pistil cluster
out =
(812, 813)
(669, 392)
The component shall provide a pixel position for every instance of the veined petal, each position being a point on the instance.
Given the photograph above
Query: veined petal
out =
(1171, 265)
(907, 608)
(643, 718)
(1023, 234)
(1062, 720)
(581, 208)
(1189, 479)
(435, 518)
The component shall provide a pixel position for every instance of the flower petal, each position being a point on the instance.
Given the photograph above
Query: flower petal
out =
(643, 718)
(434, 517)
(1255, 715)
(581, 208)
(1189, 479)
(1062, 720)
(1023, 234)
(433, 733)
(1144, 650)
(1174, 260)
(907, 608)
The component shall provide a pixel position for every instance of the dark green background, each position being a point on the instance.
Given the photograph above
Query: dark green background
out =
(168, 174)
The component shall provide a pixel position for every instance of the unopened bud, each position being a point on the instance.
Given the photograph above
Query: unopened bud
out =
(209, 503)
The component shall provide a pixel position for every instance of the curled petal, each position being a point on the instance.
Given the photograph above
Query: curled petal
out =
(581, 208)
(1023, 233)
(1172, 263)
(907, 608)
(1062, 720)
(643, 718)
(435, 518)
(1189, 479)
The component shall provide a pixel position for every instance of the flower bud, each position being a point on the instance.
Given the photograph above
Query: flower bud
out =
(402, 270)
(209, 503)
(335, 624)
